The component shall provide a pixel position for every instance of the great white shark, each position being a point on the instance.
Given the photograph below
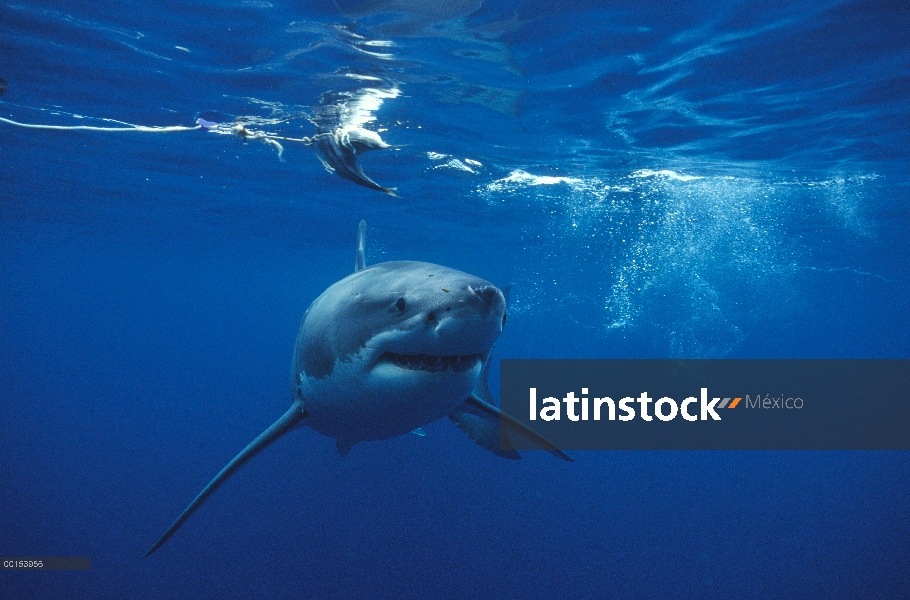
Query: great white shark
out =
(386, 350)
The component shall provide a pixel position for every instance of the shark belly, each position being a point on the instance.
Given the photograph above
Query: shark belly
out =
(356, 404)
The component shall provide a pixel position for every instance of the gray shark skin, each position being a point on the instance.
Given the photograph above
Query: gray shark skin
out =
(386, 350)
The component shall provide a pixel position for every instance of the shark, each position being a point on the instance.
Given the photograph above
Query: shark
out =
(386, 350)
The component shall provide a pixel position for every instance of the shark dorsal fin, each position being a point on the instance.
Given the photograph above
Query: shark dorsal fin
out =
(361, 263)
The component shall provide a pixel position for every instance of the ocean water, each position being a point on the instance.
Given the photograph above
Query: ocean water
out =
(700, 179)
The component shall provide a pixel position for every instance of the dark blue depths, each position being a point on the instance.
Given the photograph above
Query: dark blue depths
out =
(699, 180)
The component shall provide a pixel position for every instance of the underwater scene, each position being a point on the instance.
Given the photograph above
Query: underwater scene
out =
(181, 182)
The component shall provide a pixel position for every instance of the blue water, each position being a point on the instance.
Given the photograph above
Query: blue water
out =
(700, 179)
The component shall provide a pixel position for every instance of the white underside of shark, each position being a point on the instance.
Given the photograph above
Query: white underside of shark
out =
(386, 350)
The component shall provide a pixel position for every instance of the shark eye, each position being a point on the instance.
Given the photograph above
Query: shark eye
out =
(400, 305)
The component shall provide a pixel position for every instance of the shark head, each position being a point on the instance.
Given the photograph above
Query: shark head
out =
(393, 347)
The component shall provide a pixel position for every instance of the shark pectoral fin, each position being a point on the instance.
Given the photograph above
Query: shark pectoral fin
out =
(514, 425)
(479, 418)
(483, 430)
(343, 446)
(288, 421)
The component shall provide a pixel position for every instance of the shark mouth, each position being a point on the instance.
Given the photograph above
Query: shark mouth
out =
(433, 364)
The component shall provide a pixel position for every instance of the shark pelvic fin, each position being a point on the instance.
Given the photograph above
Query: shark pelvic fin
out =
(288, 421)
(343, 447)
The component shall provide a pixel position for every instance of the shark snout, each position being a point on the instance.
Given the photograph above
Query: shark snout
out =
(469, 323)
(488, 297)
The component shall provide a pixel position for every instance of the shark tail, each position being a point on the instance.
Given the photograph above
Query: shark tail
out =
(280, 427)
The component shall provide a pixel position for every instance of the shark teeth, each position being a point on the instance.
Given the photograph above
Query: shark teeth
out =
(433, 364)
